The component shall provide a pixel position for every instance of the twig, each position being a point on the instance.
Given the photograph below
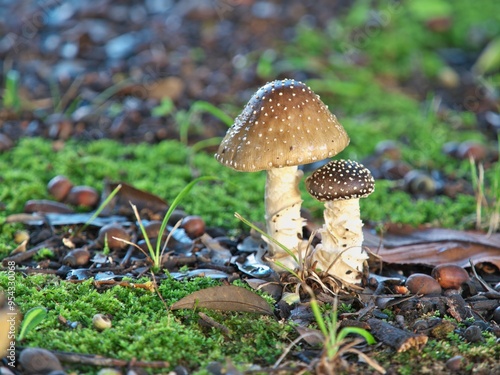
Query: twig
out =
(21, 257)
(97, 360)
(397, 338)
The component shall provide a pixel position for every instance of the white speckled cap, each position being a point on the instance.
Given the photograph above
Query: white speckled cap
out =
(340, 179)
(284, 124)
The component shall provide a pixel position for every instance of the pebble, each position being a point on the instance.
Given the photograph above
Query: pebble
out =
(38, 361)
(455, 363)
(496, 315)
(473, 334)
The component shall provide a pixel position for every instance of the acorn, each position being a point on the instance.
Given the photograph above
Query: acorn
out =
(59, 187)
(450, 276)
(110, 233)
(77, 257)
(84, 196)
(420, 283)
(101, 322)
(194, 226)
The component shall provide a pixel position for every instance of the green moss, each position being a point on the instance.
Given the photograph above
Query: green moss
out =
(161, 169)
(142, 326)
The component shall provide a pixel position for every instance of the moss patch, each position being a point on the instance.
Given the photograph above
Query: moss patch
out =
(142, 327)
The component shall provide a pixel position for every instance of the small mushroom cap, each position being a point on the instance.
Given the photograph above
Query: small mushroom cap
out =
(284, 124)
(340, 179)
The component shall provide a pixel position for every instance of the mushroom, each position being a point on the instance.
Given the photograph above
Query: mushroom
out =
(283, 125)
(340, 184)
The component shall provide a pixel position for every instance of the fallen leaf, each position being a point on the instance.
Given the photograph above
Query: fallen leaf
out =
(226, 298)
(120, 204)
(313, 337)
(435, 246)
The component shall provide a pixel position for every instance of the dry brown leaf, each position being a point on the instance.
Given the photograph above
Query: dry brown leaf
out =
(226, 298)
(120, 204)
(436, 246)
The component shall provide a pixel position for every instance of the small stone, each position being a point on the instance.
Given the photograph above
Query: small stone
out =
(473, 334)
(455, 363)
(38, 361)
(496, 315)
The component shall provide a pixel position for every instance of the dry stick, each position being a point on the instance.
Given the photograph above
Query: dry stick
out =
(21, 257)
(213, 323)
(399, 339)
(96, 360)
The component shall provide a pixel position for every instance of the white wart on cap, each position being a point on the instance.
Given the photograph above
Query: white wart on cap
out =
(340, 180)
(284, 124)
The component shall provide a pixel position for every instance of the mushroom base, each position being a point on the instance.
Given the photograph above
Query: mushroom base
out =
(341, 253)
(283, 202)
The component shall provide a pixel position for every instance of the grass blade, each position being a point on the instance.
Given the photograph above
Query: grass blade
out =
(203, 106)
(32, 318)
(174, 204)
(285, 249)
(357, 331)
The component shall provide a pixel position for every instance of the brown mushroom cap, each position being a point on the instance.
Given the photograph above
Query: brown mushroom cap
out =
(340, 179)
(284, 124)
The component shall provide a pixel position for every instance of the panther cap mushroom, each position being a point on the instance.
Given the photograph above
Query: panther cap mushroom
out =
(340, 180)
(340, 184)
(283, 125)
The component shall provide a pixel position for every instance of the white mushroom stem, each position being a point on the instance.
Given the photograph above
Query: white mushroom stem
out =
(341, 251)
(283, 202)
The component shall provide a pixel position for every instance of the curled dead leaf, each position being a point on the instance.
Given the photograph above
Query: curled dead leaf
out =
(226, 298)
